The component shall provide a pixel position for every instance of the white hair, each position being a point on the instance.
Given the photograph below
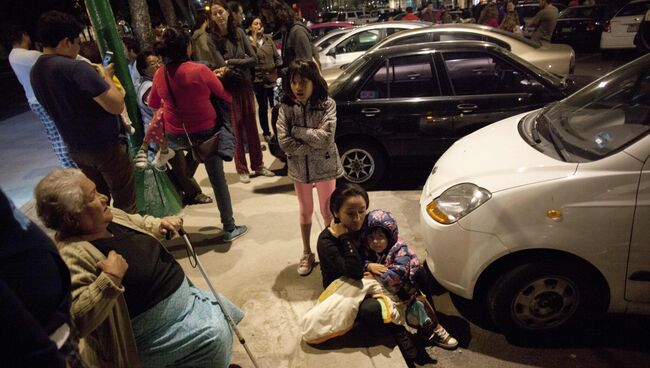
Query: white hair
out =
(58, 194)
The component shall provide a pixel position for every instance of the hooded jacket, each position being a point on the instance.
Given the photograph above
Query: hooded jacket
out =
(402, 263)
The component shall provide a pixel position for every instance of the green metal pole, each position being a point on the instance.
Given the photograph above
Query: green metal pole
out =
(155, 193)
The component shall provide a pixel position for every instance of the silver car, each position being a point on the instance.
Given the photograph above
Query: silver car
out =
(558, 59)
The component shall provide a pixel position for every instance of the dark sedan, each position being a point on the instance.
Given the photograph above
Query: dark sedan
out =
(581, 26)
(408, 104)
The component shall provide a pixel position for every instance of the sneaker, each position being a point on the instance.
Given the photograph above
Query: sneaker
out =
(443, 339)
(200, 198)
(306, 264)
(160, 162)
(265, 172)
(235, 233)
(141, 160)
(244, 178)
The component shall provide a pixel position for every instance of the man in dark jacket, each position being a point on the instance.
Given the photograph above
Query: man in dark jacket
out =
(296, 37)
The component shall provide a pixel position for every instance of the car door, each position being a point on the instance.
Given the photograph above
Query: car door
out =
(637, 286)
(401, 106)
(485, 88)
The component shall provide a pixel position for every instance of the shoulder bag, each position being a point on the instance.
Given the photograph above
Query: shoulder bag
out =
(201, 151)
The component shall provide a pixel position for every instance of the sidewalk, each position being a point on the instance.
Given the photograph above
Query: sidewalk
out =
(258, 271)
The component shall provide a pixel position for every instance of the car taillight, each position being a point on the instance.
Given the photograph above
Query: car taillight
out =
(607, 26)
(590, 25)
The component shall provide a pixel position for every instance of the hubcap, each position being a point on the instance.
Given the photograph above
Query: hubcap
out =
(358, 165)
(545, 303)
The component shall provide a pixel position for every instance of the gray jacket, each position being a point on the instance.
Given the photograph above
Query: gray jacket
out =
(306, 135)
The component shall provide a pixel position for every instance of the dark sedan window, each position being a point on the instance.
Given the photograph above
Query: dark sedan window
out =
(408, 40)
(361, 41)
(477, 73)
(402, 77)
(454, 36)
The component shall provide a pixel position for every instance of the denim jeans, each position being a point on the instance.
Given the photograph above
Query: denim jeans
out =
(264, 97)
(214, 167)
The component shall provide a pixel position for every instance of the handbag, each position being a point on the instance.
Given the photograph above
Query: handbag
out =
(201, 151)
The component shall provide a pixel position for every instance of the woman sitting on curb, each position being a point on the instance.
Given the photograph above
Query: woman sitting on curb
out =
(147, 316)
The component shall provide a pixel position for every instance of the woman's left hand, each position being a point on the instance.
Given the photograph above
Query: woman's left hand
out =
(170, 223)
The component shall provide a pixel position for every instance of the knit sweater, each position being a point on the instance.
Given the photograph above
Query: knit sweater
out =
(99, 309)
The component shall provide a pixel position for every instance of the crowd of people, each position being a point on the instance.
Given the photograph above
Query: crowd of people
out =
(107, 293)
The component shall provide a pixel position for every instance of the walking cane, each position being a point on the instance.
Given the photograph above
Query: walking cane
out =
(233, 326)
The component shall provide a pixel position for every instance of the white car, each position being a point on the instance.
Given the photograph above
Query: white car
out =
(622, 28)
(542, 218)
(357, 41)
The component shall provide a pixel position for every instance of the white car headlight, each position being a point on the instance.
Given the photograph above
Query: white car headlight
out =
(456, 202)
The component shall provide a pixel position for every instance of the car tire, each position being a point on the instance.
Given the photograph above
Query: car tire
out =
(543, 298)
(363, 163)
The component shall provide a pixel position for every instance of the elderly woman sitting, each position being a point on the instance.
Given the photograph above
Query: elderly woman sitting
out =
(131, 301)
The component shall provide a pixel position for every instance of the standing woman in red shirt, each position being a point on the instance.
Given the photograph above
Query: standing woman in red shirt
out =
(235, 51)
(186, 88)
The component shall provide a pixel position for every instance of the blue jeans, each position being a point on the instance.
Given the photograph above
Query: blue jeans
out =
(214, 167)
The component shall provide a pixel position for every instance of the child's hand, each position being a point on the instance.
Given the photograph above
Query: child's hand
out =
(377, 268)
(109, 70)
(219, 71)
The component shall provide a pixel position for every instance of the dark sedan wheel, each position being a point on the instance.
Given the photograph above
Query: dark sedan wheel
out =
(363, 163)
(541, 298)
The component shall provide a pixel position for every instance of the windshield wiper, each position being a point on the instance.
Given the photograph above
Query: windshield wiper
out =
(557, 142)
(535, 133)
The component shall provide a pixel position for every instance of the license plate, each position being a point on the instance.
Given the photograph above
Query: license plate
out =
(633, 28)
(567, 29)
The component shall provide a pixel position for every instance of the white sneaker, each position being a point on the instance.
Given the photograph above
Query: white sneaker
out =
(306, 264)
(443, 339)
(244, 178)
(160, 162)
(265, 172)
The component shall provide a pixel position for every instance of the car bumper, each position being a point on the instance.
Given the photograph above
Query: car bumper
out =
(457, 256)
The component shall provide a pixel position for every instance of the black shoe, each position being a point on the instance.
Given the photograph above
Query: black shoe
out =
(199, 199)
(405, 342)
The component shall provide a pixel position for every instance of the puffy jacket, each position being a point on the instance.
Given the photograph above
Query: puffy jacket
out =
(401, 261)
(306, 134)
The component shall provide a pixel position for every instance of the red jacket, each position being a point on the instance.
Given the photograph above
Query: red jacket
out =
(410, 16)
(192, 84)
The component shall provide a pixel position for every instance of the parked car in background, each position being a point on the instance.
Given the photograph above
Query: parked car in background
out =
(581, 26)
(620, 31)
(541, 219)
(354, 43)
(332, 36)
(320, 29)
(555, 58)
(408, 104)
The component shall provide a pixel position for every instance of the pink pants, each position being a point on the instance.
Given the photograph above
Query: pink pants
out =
(306, 200)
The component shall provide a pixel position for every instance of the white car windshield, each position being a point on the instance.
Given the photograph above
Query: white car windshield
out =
(602, 118)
